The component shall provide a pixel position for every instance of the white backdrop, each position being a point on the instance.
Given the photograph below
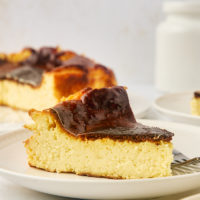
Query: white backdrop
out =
(117, 33)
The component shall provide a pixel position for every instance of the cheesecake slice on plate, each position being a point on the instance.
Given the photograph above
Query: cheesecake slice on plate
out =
(94, 133)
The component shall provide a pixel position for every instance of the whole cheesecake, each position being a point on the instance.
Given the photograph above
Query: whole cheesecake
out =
(40, 78)
(94, 133)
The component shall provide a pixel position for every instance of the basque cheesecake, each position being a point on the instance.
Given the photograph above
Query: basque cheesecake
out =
(94, 133)
(40, 78)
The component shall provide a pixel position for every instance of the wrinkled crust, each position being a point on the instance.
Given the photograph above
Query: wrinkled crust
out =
(97, 109)
(105, 112)
(137, 133)
(197, 94)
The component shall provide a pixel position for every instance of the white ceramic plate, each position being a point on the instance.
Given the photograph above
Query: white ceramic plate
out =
(7, 127)
(13, 166)
(176, 107)
(193, 197)
(9, 115)
(138, 103)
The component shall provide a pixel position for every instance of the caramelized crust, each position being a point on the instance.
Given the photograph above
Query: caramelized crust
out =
(101, 113)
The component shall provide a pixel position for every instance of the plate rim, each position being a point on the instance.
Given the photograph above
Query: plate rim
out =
(96, 179)
(99, 180)
(192, 197)
(171, 112)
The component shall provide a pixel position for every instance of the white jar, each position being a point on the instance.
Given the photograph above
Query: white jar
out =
(178, 48)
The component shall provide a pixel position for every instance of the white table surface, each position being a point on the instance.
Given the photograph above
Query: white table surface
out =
(11, 191)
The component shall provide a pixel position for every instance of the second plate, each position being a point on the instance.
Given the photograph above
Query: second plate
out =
(176, 107)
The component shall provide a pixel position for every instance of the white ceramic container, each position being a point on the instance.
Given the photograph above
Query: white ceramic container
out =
(178, 47)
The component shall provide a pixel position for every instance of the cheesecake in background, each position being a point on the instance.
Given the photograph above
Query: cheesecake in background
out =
(40, 78)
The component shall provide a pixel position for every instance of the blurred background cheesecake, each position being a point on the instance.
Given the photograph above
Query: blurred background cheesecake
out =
(41, 78)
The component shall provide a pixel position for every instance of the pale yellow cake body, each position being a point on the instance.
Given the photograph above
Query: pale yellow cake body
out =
(53, 149)
(25, 97)
(195, 106)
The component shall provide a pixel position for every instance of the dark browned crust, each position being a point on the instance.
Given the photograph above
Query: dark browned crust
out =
(105, 113)
(137, 133)
(80, 61)
(47, 58)
(20, 80)
(97, 109)
(31, 70)
(197, 94)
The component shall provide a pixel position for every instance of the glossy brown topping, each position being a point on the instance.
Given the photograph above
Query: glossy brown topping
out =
(105, 113)
(30, 70)
(24, 74)
(197, 94)
(78, 60)
(45, 56)
(138, 133)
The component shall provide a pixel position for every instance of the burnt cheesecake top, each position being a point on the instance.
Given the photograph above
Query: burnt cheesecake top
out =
(30, 69)
(105, 112)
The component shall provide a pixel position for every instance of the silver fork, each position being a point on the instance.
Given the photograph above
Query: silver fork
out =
(183, 165)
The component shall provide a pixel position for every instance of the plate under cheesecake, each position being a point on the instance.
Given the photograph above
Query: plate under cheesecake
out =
(14, 167)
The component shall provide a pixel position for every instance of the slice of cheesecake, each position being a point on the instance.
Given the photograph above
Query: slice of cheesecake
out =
(40, 78)
(95, 133)
(195, 104)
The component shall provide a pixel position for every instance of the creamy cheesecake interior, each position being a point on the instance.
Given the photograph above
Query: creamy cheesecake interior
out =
(95, 133)
(53, 149)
